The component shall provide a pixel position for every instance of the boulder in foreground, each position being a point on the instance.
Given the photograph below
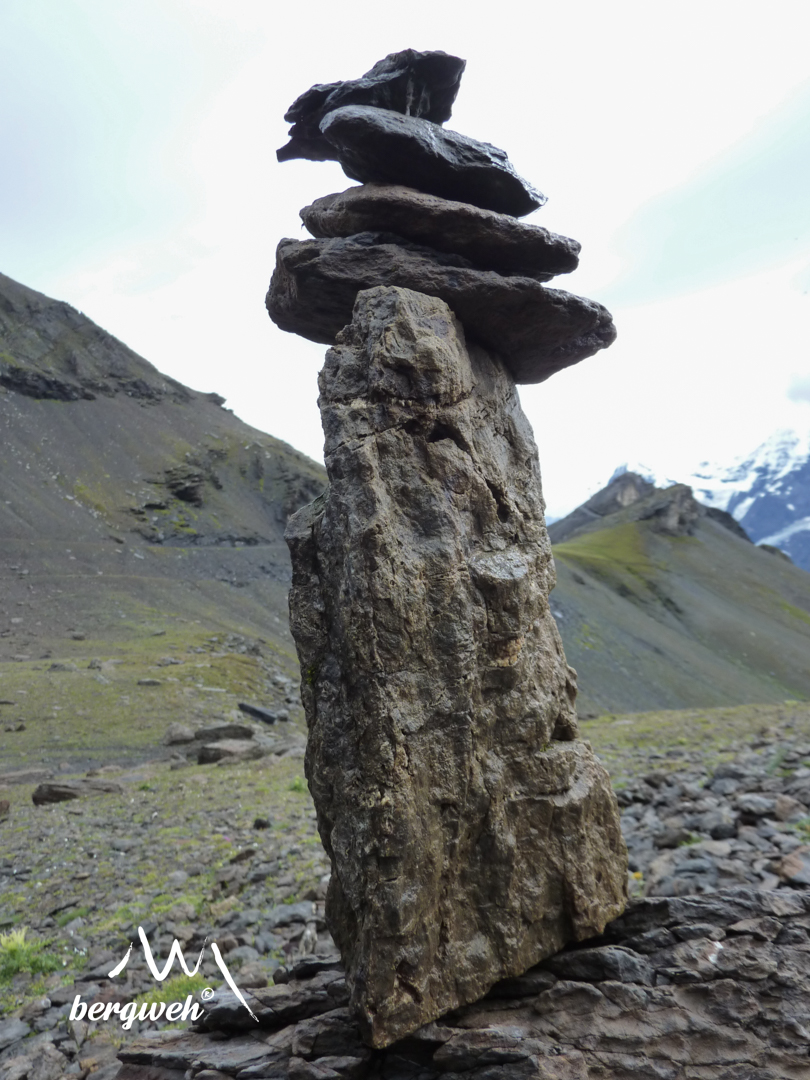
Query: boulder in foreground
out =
(471, 833)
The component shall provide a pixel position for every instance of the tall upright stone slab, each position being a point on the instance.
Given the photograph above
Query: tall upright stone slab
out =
(471, 833)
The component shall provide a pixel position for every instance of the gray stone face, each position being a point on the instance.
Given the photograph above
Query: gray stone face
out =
(471, 833)
(490, 241)
(414, 83)
(386, 147)
(536, 331)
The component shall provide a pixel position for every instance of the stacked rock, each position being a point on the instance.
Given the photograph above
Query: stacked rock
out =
(471, 833)
(437, 213)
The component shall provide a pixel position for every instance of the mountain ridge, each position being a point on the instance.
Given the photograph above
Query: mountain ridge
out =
(766, 491)
(128, 492)
(132, 506)
(663, 604)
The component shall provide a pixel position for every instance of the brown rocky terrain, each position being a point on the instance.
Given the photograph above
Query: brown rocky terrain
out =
(175, 851)
(471, 832)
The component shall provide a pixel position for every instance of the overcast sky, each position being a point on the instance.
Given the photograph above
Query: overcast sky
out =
(138, 181)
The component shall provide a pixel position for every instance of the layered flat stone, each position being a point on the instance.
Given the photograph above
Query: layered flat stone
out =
(416, 83)
(535, 330)
(489, 240)
(471, 832)
(378, 146)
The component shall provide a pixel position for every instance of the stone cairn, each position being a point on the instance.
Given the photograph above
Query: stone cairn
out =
(471, 833)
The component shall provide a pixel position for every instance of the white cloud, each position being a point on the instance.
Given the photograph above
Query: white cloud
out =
(799, 388)
(140, 184)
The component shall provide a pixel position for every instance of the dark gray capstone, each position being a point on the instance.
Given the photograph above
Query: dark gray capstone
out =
(415, 83)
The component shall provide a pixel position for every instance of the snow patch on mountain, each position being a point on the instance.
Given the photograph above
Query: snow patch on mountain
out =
(767, 491)
(771, 469)
(779, 538)
(654, 476)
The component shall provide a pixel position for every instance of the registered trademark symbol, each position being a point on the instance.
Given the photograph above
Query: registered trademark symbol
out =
(207, 993)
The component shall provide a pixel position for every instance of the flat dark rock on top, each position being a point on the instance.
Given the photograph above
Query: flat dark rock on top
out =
(535, 330)
(410, 82)
(491, 241)
(378, 146)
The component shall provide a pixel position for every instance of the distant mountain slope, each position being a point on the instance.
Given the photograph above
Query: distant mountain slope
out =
(124, 495)
(767, 491)
(132, 507)
(663, 603)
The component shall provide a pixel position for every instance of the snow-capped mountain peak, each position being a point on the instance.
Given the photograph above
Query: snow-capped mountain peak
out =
(770, 469)
(767, 491)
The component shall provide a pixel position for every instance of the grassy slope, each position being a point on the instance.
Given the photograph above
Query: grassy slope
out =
(198, 820)
(652, 621)
(632, 745)
(102, 558)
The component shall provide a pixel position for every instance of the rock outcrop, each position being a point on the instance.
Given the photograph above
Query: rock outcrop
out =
(696, 988)
(471, 833)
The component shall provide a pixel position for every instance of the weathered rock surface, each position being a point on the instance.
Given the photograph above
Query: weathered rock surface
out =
(233, 750)
(470, 832)
(491, 241)
(410, 82)
(535, 330)
(379, 146)
(62, 791)
(707, 988)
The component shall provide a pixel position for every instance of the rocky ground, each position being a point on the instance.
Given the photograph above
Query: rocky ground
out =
(228, 851)
(684, 988)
